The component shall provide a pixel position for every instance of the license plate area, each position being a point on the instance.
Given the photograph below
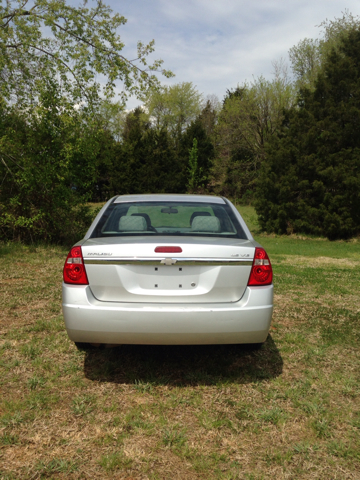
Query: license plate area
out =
(167, 278)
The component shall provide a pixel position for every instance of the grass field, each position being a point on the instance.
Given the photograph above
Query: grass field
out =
(288, 411)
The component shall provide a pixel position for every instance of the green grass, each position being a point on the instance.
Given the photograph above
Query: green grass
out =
(289, 410)
(249, 215)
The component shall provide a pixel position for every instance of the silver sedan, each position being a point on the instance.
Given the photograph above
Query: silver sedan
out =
(168, 269)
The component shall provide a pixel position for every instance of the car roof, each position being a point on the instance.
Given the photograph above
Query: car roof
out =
(169, 198)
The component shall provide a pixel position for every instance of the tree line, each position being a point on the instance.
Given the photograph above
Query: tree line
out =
(288, 145)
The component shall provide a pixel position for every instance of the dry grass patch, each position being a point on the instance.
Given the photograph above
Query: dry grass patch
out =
(320, 261)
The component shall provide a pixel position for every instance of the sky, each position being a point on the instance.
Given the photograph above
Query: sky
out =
(216, 44)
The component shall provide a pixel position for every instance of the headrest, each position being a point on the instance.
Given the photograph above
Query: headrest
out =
(132, 224)
(205, 224)
(199, 214)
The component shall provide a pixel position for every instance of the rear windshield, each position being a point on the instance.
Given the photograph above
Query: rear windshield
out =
(168, 218)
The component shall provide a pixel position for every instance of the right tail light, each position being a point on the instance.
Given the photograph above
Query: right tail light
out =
(261, 270)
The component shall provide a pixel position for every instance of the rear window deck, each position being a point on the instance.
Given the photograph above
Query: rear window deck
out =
(168, 218)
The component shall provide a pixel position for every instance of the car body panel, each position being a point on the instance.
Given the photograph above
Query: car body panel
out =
(129, 269)
(246, 321)
(199, 295)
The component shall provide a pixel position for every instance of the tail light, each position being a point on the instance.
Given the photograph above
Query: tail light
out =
(74, 269)
(261, 271)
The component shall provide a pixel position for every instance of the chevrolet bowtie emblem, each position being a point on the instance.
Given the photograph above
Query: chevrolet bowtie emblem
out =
(168, 261)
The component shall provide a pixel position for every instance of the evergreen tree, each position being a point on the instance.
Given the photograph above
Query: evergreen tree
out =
(205, 151)
(104, 166)
(208, 117)
(193, 170)
(310, 181)
(145, 161)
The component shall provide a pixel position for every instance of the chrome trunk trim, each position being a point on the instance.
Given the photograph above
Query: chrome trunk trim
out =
(169, 261)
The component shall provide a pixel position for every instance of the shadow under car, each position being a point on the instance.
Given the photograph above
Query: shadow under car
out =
(183, 365)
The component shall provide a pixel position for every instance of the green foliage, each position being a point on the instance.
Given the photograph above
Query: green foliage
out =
(151, 159)
(101, 189)
(174, 108)
(112, 116)
(310, 181)
(208, 116)
(305, 59)
(193, 170)
(145, 160)
(56, 136)
(201, 155)
(308, 57)
(77, 43)
(47, 166)
(251, 114)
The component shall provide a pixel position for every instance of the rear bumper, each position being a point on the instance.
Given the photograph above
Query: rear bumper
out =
(92, 321)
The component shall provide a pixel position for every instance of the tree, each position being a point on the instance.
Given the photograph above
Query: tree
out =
(209, 115)
(174, 108)
(54, 138)
(145, 161)
(112, 116)
(309, 55)
(204, 154)
(305, 59)
(251, 114)
(47, 162)
(72, 44)
(310, 181)
(103, 165)
(194, 172)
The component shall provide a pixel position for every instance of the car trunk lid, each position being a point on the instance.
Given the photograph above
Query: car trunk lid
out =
(207, 270)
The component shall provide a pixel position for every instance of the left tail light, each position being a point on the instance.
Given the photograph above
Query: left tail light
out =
(74, 268)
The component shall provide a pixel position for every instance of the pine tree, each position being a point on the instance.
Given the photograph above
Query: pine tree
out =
(145, 161)
(310, 181)
(205, 152)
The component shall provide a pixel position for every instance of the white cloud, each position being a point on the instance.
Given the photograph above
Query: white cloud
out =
(218, 44)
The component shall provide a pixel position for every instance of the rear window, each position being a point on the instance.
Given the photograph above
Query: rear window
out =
(168, 218)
